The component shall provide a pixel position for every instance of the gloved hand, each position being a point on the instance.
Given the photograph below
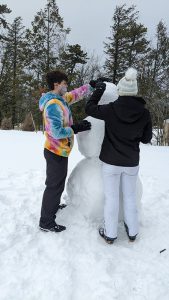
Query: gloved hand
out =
(100, 79)
(100, 86)
(81, 126)
(93, 83)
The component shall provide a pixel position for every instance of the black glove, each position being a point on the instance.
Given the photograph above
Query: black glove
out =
(100, 86)
(100, 79)
(93, 83)
(81, 126)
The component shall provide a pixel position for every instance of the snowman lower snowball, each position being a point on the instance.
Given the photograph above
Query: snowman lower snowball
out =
(85, 186)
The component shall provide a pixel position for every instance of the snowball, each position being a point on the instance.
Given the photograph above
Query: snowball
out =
(89, 142)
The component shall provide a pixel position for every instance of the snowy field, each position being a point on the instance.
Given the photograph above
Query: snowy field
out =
(77, 264)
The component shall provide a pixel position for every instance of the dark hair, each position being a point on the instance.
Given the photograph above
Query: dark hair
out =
(55, 77)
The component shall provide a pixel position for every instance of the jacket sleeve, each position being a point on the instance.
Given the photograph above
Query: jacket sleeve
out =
(78, 94)
(93, 109)
(147, 133)
(54, 123)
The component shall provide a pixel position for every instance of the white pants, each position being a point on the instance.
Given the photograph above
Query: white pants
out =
(112, 175)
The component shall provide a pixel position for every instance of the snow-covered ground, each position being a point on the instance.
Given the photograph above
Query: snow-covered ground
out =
(77, 264)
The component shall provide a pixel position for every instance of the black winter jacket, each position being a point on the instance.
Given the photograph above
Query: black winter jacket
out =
(127, 123)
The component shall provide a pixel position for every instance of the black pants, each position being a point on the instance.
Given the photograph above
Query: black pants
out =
(56, 172)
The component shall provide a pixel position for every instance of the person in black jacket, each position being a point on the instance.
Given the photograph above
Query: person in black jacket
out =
(127, 123)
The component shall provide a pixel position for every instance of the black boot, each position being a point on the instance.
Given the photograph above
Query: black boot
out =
(131, 238)
(106, 238)
(56, 228)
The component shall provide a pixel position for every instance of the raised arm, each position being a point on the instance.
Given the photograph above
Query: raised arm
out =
(92, 108)
(78, 94)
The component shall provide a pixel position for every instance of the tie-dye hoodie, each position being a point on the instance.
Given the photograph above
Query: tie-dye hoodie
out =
(58, 119)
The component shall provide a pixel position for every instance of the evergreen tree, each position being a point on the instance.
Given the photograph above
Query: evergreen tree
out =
(70, 61)
(154, 81)
(3, 26)
(3, 10)
(45, 40)
(12, 72)
(70, 58)
(127, 44)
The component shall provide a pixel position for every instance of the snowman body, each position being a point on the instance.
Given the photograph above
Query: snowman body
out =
(85, 184)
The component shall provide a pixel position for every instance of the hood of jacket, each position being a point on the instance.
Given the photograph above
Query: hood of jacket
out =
(47, 97)
(129, 109)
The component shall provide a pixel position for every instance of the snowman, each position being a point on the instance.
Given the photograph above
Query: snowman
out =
(85, 184)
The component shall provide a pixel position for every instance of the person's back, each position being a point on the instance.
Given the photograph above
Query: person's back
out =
(127, 123)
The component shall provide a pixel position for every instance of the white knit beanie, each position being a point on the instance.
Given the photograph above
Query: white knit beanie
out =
(128, 84)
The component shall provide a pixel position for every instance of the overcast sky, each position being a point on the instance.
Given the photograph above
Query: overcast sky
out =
(90, 20)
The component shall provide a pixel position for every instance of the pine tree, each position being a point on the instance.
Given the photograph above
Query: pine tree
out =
(127, 44)
(45, 40)
(3, 26)
(154, 81)
(12, 71)
(70, 59)
(3, 10)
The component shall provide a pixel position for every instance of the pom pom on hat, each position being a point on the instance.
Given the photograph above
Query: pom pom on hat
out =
(131, 74)
(128, 84)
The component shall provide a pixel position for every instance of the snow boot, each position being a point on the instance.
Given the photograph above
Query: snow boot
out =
(131, 238)
(56, 228)
(107, 239)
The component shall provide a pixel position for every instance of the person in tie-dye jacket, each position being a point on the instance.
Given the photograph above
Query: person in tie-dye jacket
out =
(59, 132)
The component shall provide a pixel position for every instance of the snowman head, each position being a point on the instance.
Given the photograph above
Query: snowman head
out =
(110, 94)
(89, 142)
